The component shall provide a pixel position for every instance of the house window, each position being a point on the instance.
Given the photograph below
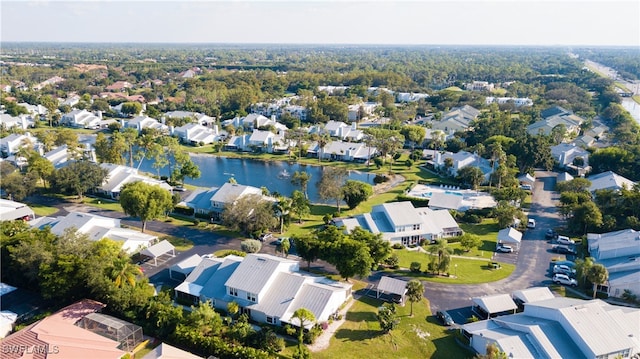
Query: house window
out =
(270, 320)
(233, 291)
(251, 297)
(416, 227)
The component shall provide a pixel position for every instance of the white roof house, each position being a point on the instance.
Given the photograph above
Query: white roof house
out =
(609, 180)
(494, 305)
(343, 151)
(166, 351)
(200, 118)
(10, 210)
(400, 222)
(461, 160)
(561, 328)
(619, 252)
(458, 119)
(533, 294)
(58, 156)
(21, 121)
(96, 228)
(81, 119)
(510, 236)
(196, 133)
(565, 153)
(517, 101)
(12, 143)
(215, 199)
(119, 175)
(268, 288)
(142, 122)
(570, 122)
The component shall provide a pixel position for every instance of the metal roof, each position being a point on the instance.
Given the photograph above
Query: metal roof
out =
(401, 213)
(187, 265)
(255, 271)
(495, 303)
(281, 294)
(392, 285)
(533, 294)
(159, 249)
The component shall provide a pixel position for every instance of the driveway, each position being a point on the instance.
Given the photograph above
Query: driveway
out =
(532, 261)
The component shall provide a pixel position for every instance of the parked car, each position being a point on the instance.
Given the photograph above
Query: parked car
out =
(179, 189)
(531, 223)
(550, 234)
(504, 249)
(445, 318)
(565, 240)
(564, 269)
(562, 249)
(564, 280)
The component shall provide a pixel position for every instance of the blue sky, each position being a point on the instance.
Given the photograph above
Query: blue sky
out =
(457, 22)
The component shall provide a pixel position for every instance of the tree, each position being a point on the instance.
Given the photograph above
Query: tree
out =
(440, 256)
(17, 185)
(282, 208)
(130, 137)
(79, 177)
(351, 258)
(330, 184)
(284, 247)
(505, 214)
(471, 175)
(124, 272)
(300, 205)
(586, 215)
(304, 317)
(356, 192)
(42, 167)
(251, 246)
(189, 169)
(301, 178)
(249, 214)
(51, 105)
(131, 108)
(582, 268)
(469, 241)
(415, 134)
(308, 248)
(492, 352)
(598, 275)
(379, 249)
(387, 317)
(415, 291)
(322, 141)
(145, 201)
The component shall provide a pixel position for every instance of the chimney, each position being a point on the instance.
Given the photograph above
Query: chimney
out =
(273, 118)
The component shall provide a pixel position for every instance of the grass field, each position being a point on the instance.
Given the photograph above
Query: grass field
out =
(420, 336)
(41, 210)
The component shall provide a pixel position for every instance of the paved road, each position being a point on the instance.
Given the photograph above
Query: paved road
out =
(532, 259)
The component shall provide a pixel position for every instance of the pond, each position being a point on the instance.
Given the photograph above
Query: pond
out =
(274, 175)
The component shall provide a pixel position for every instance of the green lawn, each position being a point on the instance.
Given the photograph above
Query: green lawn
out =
(420, 336)
(41, 210)
(103, 203)
(181, 244)
(463, 271)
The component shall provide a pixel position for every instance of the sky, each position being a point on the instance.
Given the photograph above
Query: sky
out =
(391, 22)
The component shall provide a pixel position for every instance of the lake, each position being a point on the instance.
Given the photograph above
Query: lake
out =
(275, 175)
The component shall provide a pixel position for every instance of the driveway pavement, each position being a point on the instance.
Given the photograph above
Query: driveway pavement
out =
(532, 261)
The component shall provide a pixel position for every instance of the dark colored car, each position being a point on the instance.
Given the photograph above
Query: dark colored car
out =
(562, 249)
(445, 318)
(551, 234)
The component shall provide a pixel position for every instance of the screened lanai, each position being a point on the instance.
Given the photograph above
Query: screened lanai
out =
(127, 334)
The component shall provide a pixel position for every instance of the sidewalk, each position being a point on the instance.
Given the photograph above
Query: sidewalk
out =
(322, 342)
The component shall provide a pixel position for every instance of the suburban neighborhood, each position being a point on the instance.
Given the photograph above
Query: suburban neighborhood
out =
(303, 202)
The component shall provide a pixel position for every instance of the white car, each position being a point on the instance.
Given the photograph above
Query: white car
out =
(563, 269)
(504, 249)
(564, 280)
(531, 223)
(565, 240)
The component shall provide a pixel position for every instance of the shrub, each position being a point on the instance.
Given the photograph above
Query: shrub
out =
(471, 218)
(324, 325)
(251, 246)
(397, 246)
(408, 163)
(472, 319)
(393, 261)
(228, 252)
(196, 222)
(183, 210)
(415, 267)
(380, 179)
(313, 334)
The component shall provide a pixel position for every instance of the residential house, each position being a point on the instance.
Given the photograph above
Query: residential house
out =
(10, 145)
(490, 306)
(267, 288)
(36, 111)
(458, 119)
(51, 81)
(61, 335)
(609, 180)
(516, 101)
(461, 160)
(119, 175)
(556, 116)
(570, 156)
(200, 118)
(410, 96)
(560, 328)
(81, 119)
(10, 210)
(619, 252)
(20, 121)
(333, 89)
(362, 110)
(254, 121)
(166, 351)
(479, 86)
(214, 200)
(119, 86)
(564, 177)
(142, 122)
(554, 111)
(343, 151)
(70, 101)
(530, 295)
(194, 133)
(343, 131)
(190, 73)
(400, 222)
(58, 156)
(96, 228)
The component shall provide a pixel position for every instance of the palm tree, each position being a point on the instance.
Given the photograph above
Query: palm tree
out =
(598, 275)
(124, 272)
(415, 290)
(303, 315)
(233, 308)
(322, 142)
(282, 208)
(441, 253)
(301, 178)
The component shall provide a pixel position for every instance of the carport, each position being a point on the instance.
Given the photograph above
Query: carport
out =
(494, 305)
(388, 285)
(510, 236)
(158, 250)
(185, 267)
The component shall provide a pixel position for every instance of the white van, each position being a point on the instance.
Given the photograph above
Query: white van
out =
(531, 223)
